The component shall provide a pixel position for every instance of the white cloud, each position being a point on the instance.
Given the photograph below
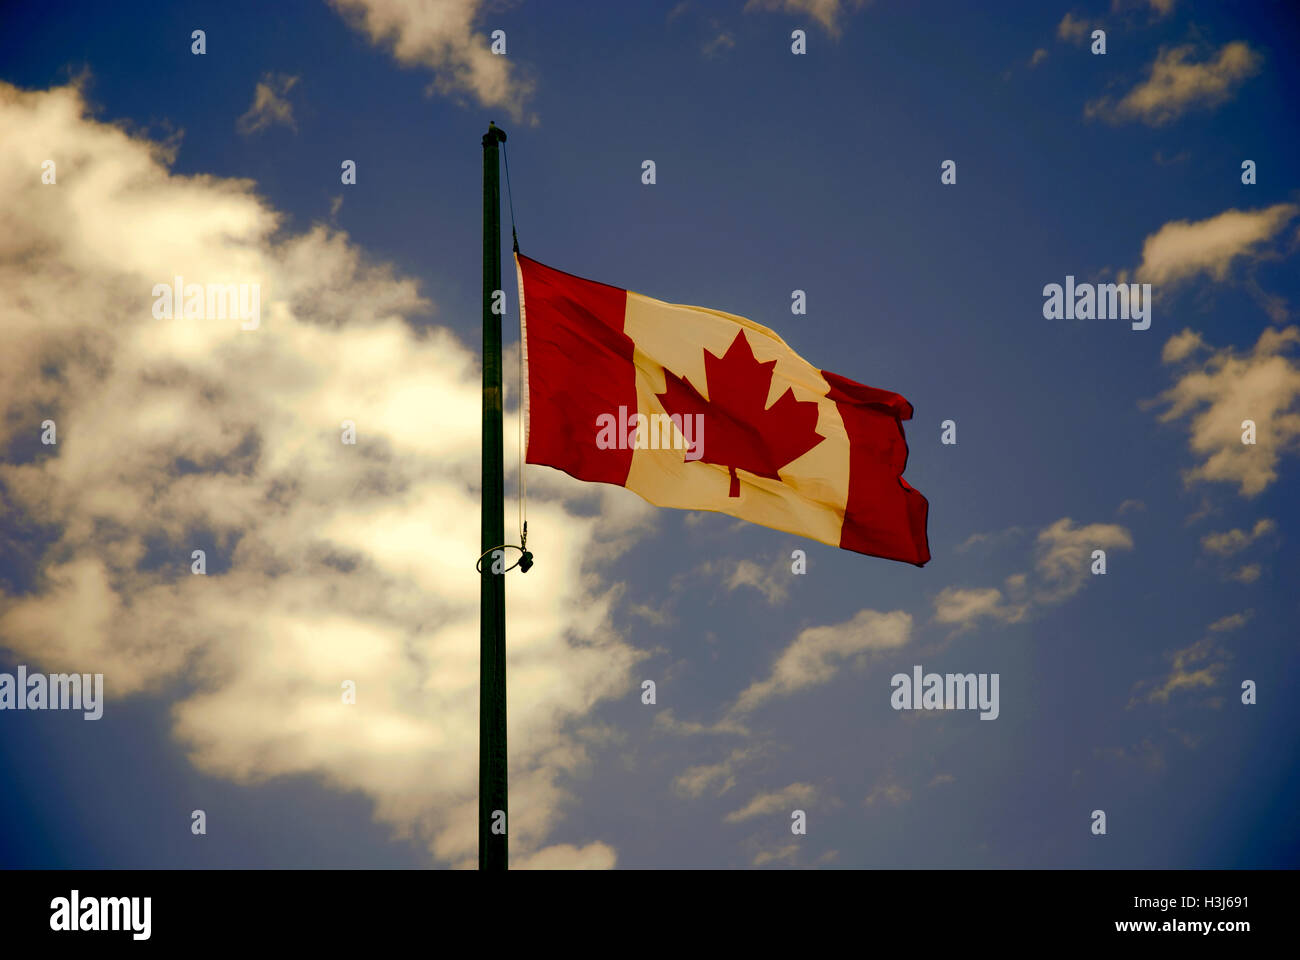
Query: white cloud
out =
(1064, 556)
(1062, 565)
(715, 778)
(1176, 84)
(594, 856)
(723, 41)
(814, 657)
(1233, 621)
(825, 12)
(1181, 249)
(270, 106)
(1232, 541)
(777, 801)
(1159, 8)
(1181, 346)
(782, 854)
(345, 562)
(994, 539)
(1247, 574)
(443, 36)
(1072, 29)
(967, 605)
(772, 582)
(652, 615)
(1194, 668)
(666, 721)
(888, 792)
(1228, 388)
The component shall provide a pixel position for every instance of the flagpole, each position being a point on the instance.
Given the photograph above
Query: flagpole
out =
(493, 810)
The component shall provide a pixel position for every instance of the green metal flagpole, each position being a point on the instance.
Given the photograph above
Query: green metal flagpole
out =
(493, 852)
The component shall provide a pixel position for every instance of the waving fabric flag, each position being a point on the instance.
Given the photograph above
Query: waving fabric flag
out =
(703, 410)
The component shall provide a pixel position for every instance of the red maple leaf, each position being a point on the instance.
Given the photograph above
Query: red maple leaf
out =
(744, 433)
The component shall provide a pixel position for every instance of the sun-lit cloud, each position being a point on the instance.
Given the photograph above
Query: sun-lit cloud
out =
(333, 563)
(888, 792)
(1183, 249)
(968, 604)
(1216, 396)
(1233, 621)
(566, 856)
(1072, 29)
(722, 42)
(1196, 667)
(714, 778)
(656, 616)
(447, 38)
(1247, 574)
(827, 13)
(993, 539)
(1158, 9)
(772, 581)
(815, 656)
(775, 801)
(270, 105)
(1062, 558)
(1176, 83)
(786, 853)
(666, 722)
(1181, 346)
(1232, 541)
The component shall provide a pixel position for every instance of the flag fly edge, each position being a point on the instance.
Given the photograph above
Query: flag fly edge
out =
(524, 409)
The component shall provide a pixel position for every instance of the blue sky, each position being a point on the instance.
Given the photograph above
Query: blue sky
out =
(775, 172)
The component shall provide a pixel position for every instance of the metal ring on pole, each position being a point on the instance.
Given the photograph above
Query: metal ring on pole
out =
(524, 563)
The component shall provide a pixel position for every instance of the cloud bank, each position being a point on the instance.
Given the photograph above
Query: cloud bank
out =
(327, 562)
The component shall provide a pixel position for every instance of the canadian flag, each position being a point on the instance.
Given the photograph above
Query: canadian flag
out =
(704, 410)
